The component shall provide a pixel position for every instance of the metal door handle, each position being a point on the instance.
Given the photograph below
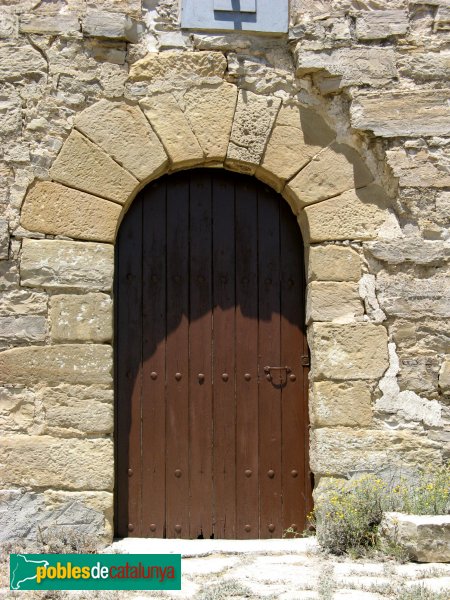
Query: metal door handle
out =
(268, 370)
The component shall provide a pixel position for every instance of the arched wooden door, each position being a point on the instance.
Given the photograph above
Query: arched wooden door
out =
(211, 362)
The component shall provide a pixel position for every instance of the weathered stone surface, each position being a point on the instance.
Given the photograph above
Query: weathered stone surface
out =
(345, 451)
(426, 538)
(354, 215)
(179, 66)
(336, 169)
(125, 134)
(427, 66)
(353, 351)
(4, 240)
(23, 302)
(10, 114)
(79, 318)
(110, 25)
(409, 113)
(403, 295)
(54, 24)
(58, 210)
(18, 60)
(341, 404)
(299, 134)
(22, 329)
(418, 169)
(353, 66)
(380, 24)
(173, 129)
(31, 515)
(252, 125)
(210, 112)
(333, 263)
(9, 25)
(70, 363)
(82, 165)
(9, 275)
(410, 250)
(76, 409)
(444, 376)
(333, 302)
(442, 20)
(406, 410)
(61, 264)
(16, 409)
(44, 461)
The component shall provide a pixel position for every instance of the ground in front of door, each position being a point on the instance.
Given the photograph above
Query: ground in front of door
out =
(288, 570)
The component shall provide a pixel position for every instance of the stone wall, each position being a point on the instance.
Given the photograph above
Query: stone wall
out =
(347, 117)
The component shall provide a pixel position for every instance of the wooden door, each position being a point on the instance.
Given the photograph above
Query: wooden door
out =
(210, 362)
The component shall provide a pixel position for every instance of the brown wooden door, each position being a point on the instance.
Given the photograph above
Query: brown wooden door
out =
(210, 293)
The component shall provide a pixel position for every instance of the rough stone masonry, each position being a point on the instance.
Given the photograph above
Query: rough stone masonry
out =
(347, 116)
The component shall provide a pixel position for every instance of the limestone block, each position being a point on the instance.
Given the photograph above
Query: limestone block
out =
(173, 129)
(70, 363)
(23, 329)
(408, 113)
(80, 318)
(418, 169)
(9, 25)
(354, 215)
(353, 351)
(252, 125)
(409, 249)
(299, 134)
(442, 19)
(346, 451)
(9, 274)
(426, 538)
(82, 165)
(110, 25)
(54, 24)
(75, 409)
(178, 66)
(333, 301)
(23, 302)
(403, 295)
(29, 515)
(444, 376)
(210, 112)
(381, 24)
(19, 60)
(426, 66)
(58, 210)
(61, 264)
(333, 263)
(10, 114)
(16, 409)
(69, 463)
(4, 240)
(341, 404)
(336, 169)
(124, 133)
(354, 66)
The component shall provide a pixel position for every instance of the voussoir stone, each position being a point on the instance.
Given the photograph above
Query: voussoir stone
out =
(178, 66)
(336, 302)
(333, 171)
(173, 129)
(210, 112)
(79, 318)
(354, 215)
(350, 351)
(84, 166)
(70, 363)
(252, 125)
(62, 463)
(341, 404)
(299, 133)
(125, 134)
(58, 210)
(333, 263)
(64, 264)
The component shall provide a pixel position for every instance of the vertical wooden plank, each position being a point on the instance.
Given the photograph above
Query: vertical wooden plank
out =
(224, 403)
(128, 298)
(200, 371)
(177, 359)
(247, 475)
(154, 357)
(269, 355)
(293, 342)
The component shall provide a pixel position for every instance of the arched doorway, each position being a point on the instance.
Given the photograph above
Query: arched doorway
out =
(211, 361)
